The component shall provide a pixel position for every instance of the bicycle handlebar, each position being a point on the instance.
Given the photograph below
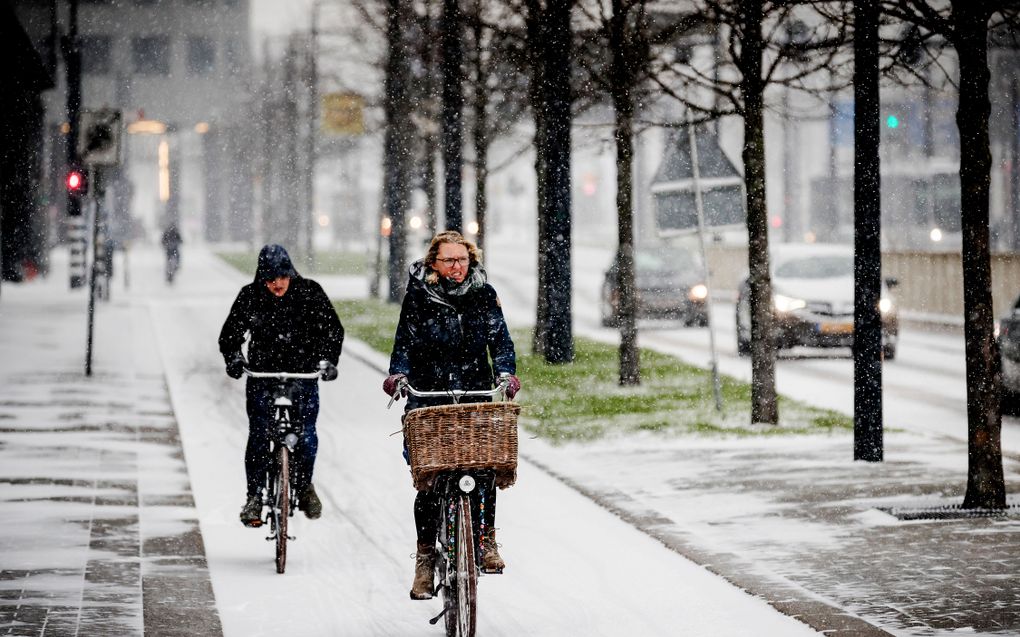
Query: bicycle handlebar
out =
(283, 375)
(456, 394)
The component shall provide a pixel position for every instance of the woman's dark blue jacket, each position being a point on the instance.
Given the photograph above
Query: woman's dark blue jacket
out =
(445, 342)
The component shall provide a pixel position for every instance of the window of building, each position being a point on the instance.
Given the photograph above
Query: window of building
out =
(201, 55)
(95, 54)
(233, 54)
(151, 54)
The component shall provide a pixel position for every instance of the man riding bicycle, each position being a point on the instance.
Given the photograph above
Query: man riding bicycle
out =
(290, 326)
(451, 323)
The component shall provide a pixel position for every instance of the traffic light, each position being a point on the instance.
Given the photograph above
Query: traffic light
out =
(77, 184)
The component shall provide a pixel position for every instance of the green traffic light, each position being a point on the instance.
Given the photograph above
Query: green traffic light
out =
(892, 121)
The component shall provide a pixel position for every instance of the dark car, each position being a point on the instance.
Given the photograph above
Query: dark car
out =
(670, 284)
(813, 300)
(1009, 354)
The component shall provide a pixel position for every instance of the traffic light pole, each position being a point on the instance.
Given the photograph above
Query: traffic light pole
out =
(72, 63)
(100, 191)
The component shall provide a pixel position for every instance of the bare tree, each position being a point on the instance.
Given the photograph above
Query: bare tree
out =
(397, 142)
(965, 25)
(758, 53)
(496, 86)
(867, 345)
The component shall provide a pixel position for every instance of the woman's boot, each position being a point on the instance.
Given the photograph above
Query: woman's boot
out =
(424, 569)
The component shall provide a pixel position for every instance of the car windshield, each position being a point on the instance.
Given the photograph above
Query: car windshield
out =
(816, 267)
(665, 261)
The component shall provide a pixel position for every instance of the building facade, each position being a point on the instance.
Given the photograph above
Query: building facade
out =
(180, 72)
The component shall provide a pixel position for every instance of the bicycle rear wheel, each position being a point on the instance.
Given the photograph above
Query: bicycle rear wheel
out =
(460, 598)
(281, 508)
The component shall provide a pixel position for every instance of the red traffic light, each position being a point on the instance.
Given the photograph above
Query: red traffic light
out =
(76, 184)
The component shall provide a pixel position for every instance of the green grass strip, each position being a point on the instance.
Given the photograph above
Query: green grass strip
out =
(584, 401)
(346, 263)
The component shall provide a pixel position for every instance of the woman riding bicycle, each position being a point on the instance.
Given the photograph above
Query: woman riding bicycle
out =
(451, 323)
(292, 328)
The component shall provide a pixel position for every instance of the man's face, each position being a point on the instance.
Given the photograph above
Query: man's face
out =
(452, 261)
(279, 285)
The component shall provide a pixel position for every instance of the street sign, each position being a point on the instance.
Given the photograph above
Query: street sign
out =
(343, 114)
(99, 137)
(717, 181)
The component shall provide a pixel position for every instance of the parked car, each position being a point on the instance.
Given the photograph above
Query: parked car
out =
(1008, 335)
(813, 300)
(670, 284)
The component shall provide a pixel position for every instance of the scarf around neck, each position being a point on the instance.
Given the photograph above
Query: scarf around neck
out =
(446, 290)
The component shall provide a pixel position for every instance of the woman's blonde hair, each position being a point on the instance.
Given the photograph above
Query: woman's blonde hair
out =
(448, 236)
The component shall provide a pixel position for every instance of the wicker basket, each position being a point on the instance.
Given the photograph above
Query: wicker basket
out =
(464, 436)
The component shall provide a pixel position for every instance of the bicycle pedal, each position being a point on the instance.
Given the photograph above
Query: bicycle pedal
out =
(435, 619)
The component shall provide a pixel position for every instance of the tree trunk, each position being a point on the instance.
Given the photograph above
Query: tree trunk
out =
(481, 177)
(289, 220)
(867, 346)
(764, 408)
(480, 133)
(535, 23)
(985, 484)
(622, 82)
(397, 145)
(431, 139)
(452, 129)
(559, 341)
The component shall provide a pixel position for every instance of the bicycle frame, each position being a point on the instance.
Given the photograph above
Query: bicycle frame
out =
(280, 495)
(463, 497)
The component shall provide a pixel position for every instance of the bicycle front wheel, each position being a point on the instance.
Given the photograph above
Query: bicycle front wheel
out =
(281, 508)
(461, 603)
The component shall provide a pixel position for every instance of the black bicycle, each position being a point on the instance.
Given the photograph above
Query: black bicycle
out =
(279, 494)
(462, 452)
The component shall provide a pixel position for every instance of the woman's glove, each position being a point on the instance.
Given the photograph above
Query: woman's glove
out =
(392, 382)
(513, 384)
(236, 365)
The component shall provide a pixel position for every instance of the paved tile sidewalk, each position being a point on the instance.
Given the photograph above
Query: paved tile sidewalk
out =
(101, 535)
(796, 523)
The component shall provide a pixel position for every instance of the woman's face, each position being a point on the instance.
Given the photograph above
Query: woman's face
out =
(452, 261)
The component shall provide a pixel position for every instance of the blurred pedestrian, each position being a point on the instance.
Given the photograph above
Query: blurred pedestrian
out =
(171, 241)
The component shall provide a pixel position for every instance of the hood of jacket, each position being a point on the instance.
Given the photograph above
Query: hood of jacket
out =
(274, 262)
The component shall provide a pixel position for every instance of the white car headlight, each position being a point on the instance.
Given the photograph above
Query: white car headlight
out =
(784, 303)
(884, 305)
(698, 292)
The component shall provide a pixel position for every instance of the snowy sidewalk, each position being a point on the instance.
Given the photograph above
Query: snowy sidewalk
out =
(103, 516)
(100, 531)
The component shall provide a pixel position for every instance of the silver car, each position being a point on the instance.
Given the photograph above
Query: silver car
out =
(813, 300)
(1007, 331)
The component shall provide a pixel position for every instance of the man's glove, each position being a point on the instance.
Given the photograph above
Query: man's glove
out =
(392, 382)
(329, 371)
(236, 365)
(513, 384)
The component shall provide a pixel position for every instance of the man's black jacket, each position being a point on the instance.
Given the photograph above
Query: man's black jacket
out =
(291, 333)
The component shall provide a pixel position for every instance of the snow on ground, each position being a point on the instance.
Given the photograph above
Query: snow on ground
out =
(573, 567)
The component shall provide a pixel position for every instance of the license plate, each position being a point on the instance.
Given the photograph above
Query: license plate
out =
(836, 328)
